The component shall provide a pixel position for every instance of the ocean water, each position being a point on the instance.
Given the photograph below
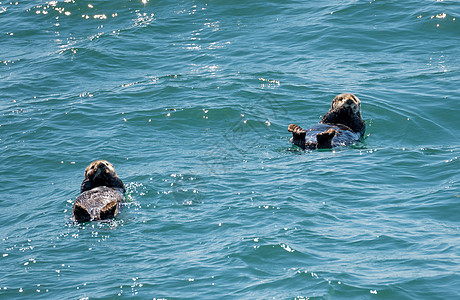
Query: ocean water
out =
(191, 100)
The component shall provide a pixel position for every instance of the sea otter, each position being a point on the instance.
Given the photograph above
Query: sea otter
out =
(341, 126)
(101, 193)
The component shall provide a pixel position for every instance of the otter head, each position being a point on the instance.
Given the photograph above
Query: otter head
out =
(348, 101)
(100, 169)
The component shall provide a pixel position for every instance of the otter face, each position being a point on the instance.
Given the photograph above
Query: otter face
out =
(347, 101)
(99, 168)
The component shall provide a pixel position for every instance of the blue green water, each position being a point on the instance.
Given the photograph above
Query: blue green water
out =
(191, 100)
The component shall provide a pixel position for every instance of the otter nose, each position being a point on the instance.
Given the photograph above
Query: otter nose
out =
(349, 102)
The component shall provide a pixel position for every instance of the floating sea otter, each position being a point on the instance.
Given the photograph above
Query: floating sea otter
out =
(341, 126)
(101, 193)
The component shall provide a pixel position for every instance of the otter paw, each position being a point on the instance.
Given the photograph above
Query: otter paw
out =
(298, 135)
(324, 138)
(109, 211)
(81, 214)
(296, 129)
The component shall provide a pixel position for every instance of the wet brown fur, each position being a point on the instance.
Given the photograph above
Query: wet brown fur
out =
(344, 115)
(102, 192)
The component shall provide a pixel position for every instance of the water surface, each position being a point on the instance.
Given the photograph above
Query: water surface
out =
(190, 100)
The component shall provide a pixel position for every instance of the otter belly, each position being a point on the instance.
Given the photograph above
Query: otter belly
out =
(97, 204)
(343, 137)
